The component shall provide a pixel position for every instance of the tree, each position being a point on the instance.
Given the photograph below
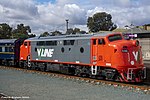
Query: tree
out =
(100, 22)
(69, 31)
(19, 35)
(31, 35)
(56, 33)
(44, 34)
(5, 31)
(74, 31)
(22, 31)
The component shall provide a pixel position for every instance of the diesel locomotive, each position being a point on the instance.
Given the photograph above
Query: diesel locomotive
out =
(103, 55)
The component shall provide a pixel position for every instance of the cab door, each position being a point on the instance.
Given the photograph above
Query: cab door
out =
(98, 51)
(25, 50)
(101, 52)
(94, 49)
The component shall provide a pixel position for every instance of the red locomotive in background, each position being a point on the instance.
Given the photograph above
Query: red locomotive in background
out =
(104, 55)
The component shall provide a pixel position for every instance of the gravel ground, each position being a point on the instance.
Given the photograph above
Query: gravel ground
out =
(35, 86)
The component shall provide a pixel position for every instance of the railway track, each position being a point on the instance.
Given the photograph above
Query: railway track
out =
(144, 87)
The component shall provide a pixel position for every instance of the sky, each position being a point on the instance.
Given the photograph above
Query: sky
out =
(50, 15)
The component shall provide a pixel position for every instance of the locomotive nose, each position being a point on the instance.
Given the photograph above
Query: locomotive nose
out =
(129, 52)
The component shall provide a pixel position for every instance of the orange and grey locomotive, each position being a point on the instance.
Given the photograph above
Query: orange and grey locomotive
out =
(103, 55)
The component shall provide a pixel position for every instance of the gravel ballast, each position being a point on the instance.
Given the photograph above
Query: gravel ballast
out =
(34, 86)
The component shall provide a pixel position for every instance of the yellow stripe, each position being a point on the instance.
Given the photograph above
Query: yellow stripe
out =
(7, 53)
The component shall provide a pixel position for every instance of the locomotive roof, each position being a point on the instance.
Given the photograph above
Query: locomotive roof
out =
(7, 40)
(68, 37)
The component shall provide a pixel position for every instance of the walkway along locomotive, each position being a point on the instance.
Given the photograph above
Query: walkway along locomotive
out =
(104, 55)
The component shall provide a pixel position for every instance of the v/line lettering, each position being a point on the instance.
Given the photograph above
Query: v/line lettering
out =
(42, 52)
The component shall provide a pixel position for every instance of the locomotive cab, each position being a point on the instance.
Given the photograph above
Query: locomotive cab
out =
(117, 58)
(103, 50)
(127, 58)
(25, 51)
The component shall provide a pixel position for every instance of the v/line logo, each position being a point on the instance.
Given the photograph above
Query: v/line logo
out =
(45, 52)
(135, 54)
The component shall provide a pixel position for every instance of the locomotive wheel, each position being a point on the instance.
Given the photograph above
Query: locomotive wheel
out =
(118, 78)
(43, 68)
(111, 74)
(78, 71)
(82, 71)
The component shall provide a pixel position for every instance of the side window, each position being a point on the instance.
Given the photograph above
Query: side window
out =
(72, 42)
(29, 43)
(94, 42)
(69, 42)
(25, 43)
(51, 43)
(101, 41)
(40, 43)
(6, 49)
(11, 49)
(0, 49)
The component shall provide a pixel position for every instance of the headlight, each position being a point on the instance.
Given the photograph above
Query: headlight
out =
(136, 42)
